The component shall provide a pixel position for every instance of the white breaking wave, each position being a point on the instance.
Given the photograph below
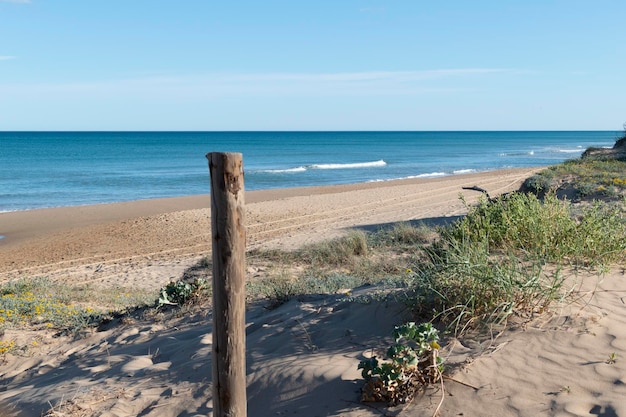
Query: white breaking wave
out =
(463, 171)
(278, 171)
(426, 175)
(431, 175)
(411, 177)
(373, 164)
(379, 163)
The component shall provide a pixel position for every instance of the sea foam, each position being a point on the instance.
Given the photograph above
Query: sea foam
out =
(463, 171)
(288, 170)
(353, 165)
(379, 163)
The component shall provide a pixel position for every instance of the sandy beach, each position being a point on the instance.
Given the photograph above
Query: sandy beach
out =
(302, 356)
(158, 239)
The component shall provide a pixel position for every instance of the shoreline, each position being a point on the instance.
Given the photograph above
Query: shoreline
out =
(19, 225)
(155, 240)
(269, 193)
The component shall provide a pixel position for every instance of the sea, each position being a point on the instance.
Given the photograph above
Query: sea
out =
(57, 169)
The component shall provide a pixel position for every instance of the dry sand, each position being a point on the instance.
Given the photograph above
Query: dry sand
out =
(156, 240)
(302, 357)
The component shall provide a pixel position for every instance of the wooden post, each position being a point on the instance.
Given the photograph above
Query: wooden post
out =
(229, 297)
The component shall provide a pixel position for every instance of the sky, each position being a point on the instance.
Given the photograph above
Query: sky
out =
(312, 65)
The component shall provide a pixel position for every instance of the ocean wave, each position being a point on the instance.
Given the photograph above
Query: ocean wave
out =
(373, 164)
(463, 171)
(435, 174)
(429, 175)
(379, 163)
(411, 177)
(505, 154)
(280, 171)
(13, 210)
(578, 150)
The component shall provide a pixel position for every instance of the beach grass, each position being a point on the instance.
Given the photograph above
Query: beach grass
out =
(380, 258)
(590, 178)
(41, 303)
(548, 229)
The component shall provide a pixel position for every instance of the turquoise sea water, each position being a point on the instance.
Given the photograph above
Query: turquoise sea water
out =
(51, 169)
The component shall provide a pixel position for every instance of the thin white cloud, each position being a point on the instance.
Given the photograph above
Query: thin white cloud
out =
(6, 57)
(14, 1)
(219, 85)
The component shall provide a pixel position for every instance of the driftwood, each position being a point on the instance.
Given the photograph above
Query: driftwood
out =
(480, 190)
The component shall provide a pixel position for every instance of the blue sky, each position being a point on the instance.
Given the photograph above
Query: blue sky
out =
(318, 65)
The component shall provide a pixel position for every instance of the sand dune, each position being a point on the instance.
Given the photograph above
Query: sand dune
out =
(302, 357)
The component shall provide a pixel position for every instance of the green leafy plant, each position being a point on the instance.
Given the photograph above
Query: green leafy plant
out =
(180, 292)
(541, 183)
(413, 362)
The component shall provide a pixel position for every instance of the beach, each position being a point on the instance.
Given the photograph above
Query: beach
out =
(302, 356)
(158, 239)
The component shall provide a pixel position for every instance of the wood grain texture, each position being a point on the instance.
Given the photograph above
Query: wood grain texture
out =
(228, 243)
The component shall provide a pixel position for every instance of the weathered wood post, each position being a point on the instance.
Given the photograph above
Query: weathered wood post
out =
(229, 298)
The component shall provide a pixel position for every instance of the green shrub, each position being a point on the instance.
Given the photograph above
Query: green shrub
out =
(600, 236)
(413, 362)
(586, 177)
(466, 285)
(584, 189)
(180, 292)
(547, 230)
(517, 222)
(540, 183)
(488, 265)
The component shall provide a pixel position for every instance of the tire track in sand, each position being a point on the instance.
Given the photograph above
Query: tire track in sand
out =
(291, 222)
(415, 204)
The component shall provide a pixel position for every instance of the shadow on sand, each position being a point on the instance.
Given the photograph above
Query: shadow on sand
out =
(428, 222)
